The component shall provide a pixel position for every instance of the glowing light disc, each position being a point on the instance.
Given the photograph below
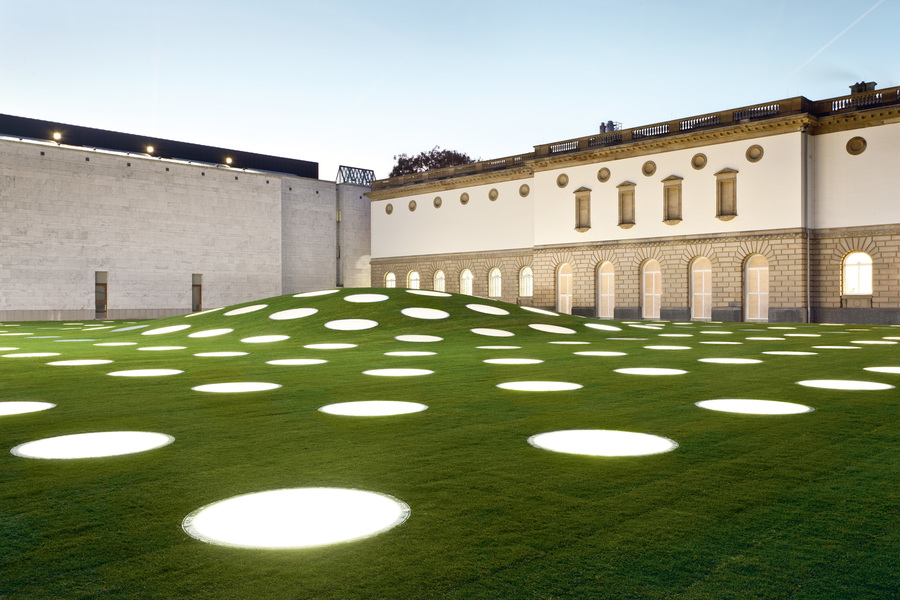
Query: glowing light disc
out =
(31, 355)
(79, 363)
(162, 330)
(539, 386)
(161, 348)
(540, 311)
(116, 344)
(145, 373)
(397, 372)
(21, 407)
(93, 445)
(428, 293)
(836, 347)
(730, 361)
(603, 327)
(602, 442)
(487, 309)
(329, 346)
(296, 362)
(755, 407)
(209, 333)
(366, 298)
(650, 371)
(491, 332)
(316, 293)
(600, 353)
(872, 342)
(498, 347)
(418, 338)
(667, 347)
(845, 384)
(892, 370)
(265, 339)
(245, 310)
(293, 313)
(236, 387)
(551, 328)
(410, 353)
(425, 313)
(351, 324)
(220, 354)
(132, 328)
(723, 343)
(373, 408)
(513, 361)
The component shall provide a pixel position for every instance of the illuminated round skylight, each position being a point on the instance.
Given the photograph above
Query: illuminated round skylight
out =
(366, 298)
(19, 407)
(676, 335)
(265, 339)
(603, 327)
(650, 371)
(162, 330)
(205, 312)
(790, 353)
(425, 313)
(780, 327)
(754, 407)
(132, 328)
(93, 445)
(628, 339)
(397, 372)
(572, 343)
(892, 370)
(236, 387)
(836, 347)
(329, 346)
(802, 335)
(410, 353)
(79, 363)
(351, 324)
(872, 342)
(513, 361)
(244, 310)
(15, 334)
(539, 386)
(487, 309)
(551, 328)
(418, 338)
(8, 348)
(492, 332)
(722, 343)
(209, 333)
(220, 354)
(145, 373)
(715, 332)
(667, 347)
(602, 442)
(296, 362)
(316, 293)
(498, 347)
(600, 353)
(296, 518)
(428, 293)
(844, 384)
(766, 339)
(373, 408)
(293, 313)
(645, 326)
(730, 361)
(116, 344)
(31, 355)
(161, 348)
(69, 341)
(540, 311)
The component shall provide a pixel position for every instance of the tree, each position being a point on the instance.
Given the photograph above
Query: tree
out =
(426, 161)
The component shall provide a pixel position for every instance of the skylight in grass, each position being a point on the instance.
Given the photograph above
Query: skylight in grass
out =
(93, 445)
(145, 373)
(754, 407)
(491, 332)
(14, 334)
(650, 371)
(513, 361)
(627, 339)
(715, 332)
(161, 348)
(373, 408)
(80, 363)
(366, 298)
(568, 343)
(415, 338)
(293, 313)
(205, 312)
(676, 335)
(780, 327)
(31, 355)
(551, 328)
(222, 354)
(730, 361)
(236, 387)
(20, 407)
(132, 328)
(487, 309)
(845, 384)
(296, 518)
(116, 344)
(296, 362)
(667, 347)
(602, 442)
(265, 339)
(164, 330)
(603, 327)
(891, 370)
(836, 347)
(244, 310)
(802, 335)
(315, 293)
(78, 340)
(410, 353)
(335, 346)
(722, 343)
(498, 347)
(351, 324)
(600, 353)
(540, 311)
(873, 342)
(539, 386)
(765, 339)
(8, 348)
(397, 372)
(637, 326)
(209, 333)
(428, 293)
(425, 313)
(790, 353)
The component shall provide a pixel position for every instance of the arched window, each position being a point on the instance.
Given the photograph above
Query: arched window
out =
(651, 284)
(857, 274)
(439, 281)
(701, 289)
(564, 289)
(390, 280)
(606, 290)
(495, 281)
(756, 284)
(526, 282)
(465, 282)
(412, 280)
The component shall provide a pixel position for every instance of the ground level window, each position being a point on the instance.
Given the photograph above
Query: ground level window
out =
(701, 289)
(495, 281)
(439, 284)
(100, 294)
(564, 288)
(465, 282)
(390, 280)
(857, 274)
(526, 282)
(756, 284)
(412, 280)
(196, 292)
(651, 284)
(606, 290)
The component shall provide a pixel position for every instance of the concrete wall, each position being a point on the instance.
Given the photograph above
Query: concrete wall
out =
(309, 235)
(354, 236)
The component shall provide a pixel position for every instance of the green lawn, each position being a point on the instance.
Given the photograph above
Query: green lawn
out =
(747, 506)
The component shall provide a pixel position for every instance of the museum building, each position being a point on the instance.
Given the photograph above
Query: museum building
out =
(785, 211)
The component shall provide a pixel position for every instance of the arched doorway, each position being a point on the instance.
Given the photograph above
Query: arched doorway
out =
(651, 292)
(564, 288)
(756, 285)
(606, 290)
(701, 289)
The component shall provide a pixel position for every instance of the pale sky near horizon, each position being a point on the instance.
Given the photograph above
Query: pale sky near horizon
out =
(355, 83)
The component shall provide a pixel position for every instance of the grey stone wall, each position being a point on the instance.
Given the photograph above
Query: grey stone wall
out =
(309, 235)
(354, 236)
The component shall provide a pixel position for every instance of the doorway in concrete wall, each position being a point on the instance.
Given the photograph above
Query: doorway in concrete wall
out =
(564, 288)
(100, 294)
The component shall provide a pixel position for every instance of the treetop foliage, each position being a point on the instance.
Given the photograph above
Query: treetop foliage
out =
(426, 161)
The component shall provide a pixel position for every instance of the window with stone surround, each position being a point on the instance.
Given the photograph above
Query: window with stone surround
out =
(672, 199)
(390, 280)
(495, 281)
(564, 288)
(857, 275)
(582, 209)
(465, 282)
(651, 289)
(756, 285)
(606, 290)
(626, 204)
(726, 194)
(438, 280)
(412, 280)
(701, 289)
(526, 282)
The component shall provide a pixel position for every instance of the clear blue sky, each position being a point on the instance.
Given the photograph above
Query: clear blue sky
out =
(356, 82)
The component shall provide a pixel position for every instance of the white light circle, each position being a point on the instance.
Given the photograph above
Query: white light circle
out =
(872, 342)
(244, 310)
(765, 339)
(205, 312)
(132, 328)
(802, 335)
(487, 309)
(540, 311)
(715, 332)
(14, 334)
(351, 324)
(513, 361)
(627, 339)
(551, 328)
(667, 347)
(498, 347)
(209, 333)
(93, 445)
(425, 313)
(117, 344)
(10, 348)
(539, 386)
(265, 339)
(492, 332)
(418, 338)
(650, 371)
(162, 330)
(730, 361)
(79, 363)
(296, 362)
(296, 518)
(645, 326)
(891, 370)
(410, 353)
(161, 348)
(366, 298)
(236, 387)
(844, 384)
(602, 442)
(790, 353)
(397, 372)
(755, 407)
(145, 373)
(31, 355)
(428, 293)
(572, 343)
(329, 346)
(20, 407)
(836, 347)
(600, 353)
(603, 327)
(722, 343)
(220, 354)
(373, 408)
(315, 293)
(678, 335)
(293, 313)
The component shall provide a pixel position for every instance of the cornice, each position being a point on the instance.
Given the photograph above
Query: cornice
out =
(452, 183)
(856, 120)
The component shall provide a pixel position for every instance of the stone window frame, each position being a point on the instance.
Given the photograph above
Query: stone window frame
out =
(526, 282)
(439, 281)
(726, 194)
(864, 272)
(627, 195)
(495, 283)
(672, 199)
(582, 209)
(606, 288)
(466, 282)
(390, 280)
(413, 280)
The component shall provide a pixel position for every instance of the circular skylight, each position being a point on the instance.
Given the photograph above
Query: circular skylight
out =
(244, 310)
(844, 384)
(117, 344)
(316, 293)
(603, 327)
(891, 370)
(236, 387)
(397, 372)
(487, 309)
(540, 311)
(667, 347)
(676, 335)
(293, 313)
(205, 312)
(650, 371)
(715, 332)
(93, 445)
(513, 361)
(9, 348)
(145, 373)
(373, 408)
(418, 338)
(722, 343)
(551, 328)
(539, 386)
(766, 339)
(872, 342)
(790, 353)
(133, 327)
(492, 332)
(79, 363)
(296, 362)
(730, 361)
(162, 330)
(802, 335)
(329, 346)
(425, 313)
(600, 353)
(296, 518)
(161, 348)
(220, 354)
(366, 298)
(602, 442)
(19, 407)
(428, 293)
(498, 347)
(410, 353)
(572, 343)
(754, 407)
(836, 347)
(31, 355)
(351, 324)
(207, 333)
(265, 339)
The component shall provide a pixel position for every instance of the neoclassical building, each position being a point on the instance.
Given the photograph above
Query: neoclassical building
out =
(783, 212)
